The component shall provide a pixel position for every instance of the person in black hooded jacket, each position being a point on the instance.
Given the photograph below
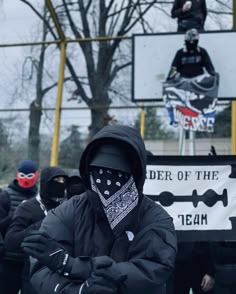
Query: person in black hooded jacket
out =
(23, 187)
(190, 14)
(112, 238)
(28, 216)
(74, 184)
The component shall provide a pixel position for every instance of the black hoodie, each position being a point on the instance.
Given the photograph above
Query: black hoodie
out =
(51, 192)
(10, 198)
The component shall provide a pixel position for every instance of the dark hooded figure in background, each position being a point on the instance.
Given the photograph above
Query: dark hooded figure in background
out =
(74, 184)
(52, 187)
(112, 238)
(190, 14)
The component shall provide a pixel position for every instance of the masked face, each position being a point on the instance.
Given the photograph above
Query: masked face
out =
(54, 193)
(75, 189)
(109, 181)
(117, 192)
(191, 46)
(27, 180)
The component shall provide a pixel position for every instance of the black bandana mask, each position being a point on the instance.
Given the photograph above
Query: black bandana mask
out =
(117, 192)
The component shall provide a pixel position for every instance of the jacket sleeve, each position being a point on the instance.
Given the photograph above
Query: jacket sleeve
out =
(175, 66)
(153, 259)
(176, 10)
(47, 282)
(19, 228)
(5, 212)
(58, 224)
(176, 63)
(207, 63)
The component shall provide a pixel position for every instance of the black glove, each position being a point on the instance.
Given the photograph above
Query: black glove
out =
(104, 280)
(46, 250)
(101, 262)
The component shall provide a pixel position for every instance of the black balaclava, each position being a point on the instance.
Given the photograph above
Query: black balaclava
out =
(191, 40)
(74, 186)
(52, 193)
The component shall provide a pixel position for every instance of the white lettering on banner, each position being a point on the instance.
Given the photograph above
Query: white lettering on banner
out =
(198, 197)
(160, 175)
(182, 175)
(193, 219)
(197, 123)
(207, 175)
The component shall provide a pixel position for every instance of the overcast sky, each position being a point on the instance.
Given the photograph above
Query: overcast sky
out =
(18, 23)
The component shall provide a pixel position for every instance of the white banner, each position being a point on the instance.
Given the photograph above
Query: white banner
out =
(200, 196)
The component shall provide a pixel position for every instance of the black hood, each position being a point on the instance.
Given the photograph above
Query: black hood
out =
(47, 174)
(132, 142)
(74, 184)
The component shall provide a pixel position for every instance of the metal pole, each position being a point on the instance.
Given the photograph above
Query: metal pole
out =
(181, 141)
(56, 134)
(142, 122)
(233, 103)
(191, 143)
(76, 40)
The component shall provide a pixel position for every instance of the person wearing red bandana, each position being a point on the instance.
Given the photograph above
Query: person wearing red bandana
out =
(22, 188)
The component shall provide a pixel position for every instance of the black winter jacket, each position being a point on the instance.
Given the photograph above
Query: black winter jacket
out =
(192, 64)
(5, 212)
(197, 11)
(18, 194)
(10, 198)
(83, 230)
(27, 217)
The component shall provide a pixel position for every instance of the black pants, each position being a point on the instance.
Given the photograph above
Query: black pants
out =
(185, 25)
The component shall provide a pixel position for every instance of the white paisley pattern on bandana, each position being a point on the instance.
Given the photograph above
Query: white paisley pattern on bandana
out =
(120, 204)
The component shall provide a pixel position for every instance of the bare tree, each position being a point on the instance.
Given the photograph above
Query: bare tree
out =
(37, 66)
(86, 20)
